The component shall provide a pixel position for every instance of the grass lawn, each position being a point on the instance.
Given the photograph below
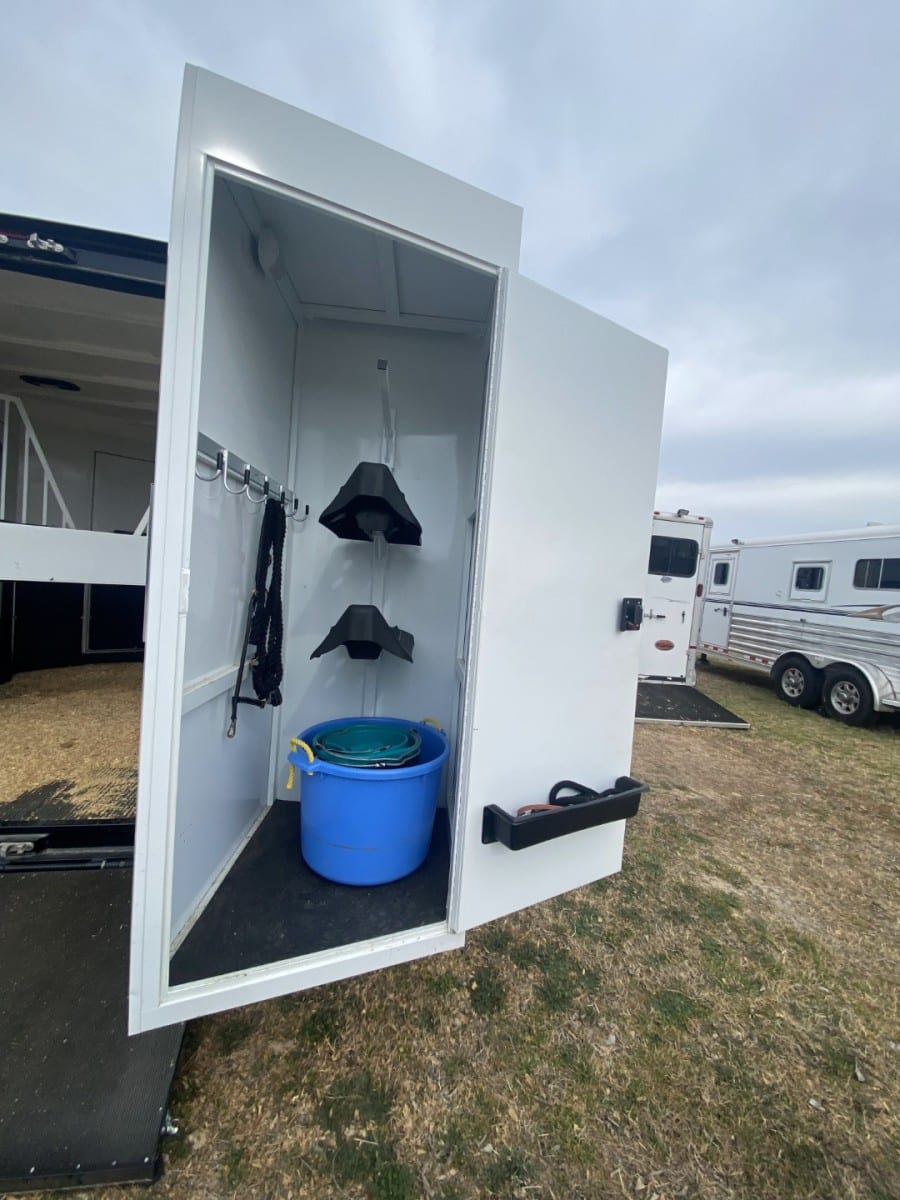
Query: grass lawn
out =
(720, 1020)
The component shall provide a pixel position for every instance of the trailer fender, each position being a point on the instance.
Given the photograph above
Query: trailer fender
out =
(816, 661)
(876, 678)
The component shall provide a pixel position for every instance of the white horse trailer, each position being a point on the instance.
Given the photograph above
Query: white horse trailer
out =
(329, 303)
(679, 546)
(818, 612)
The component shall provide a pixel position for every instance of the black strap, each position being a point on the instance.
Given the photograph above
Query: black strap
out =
(582, 793)
(265, 618)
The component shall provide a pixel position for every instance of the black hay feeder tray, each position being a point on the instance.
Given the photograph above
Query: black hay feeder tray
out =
(370, 502)
(365, 633)
(570, 808)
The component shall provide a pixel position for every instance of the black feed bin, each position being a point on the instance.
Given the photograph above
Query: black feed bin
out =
(365, 633)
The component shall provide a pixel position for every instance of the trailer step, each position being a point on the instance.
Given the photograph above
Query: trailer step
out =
(81, 1103)
(678, 704)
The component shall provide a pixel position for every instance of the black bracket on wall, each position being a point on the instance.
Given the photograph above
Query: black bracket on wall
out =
(562, 815)
(365, 633)
(631, 615)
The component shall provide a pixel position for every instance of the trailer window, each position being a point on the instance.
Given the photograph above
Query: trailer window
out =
(721, 571)
(877, 573)
(673, 556)
(809, 579)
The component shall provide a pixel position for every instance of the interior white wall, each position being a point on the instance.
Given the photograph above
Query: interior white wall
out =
(70, 435)
(437, 391)
(248, 343)
(122, 488)
(245, 403)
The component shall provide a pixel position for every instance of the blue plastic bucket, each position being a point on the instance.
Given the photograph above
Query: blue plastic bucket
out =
(366, 826)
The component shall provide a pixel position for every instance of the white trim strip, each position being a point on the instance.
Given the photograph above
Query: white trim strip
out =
(200, 691)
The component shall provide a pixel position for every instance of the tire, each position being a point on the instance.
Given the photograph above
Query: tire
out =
(848, 697)
(798, 683)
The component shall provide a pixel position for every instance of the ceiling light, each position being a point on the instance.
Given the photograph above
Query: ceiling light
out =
(46, 381)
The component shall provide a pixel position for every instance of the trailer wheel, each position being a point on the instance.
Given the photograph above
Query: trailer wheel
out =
(848, 696)
(799, 683)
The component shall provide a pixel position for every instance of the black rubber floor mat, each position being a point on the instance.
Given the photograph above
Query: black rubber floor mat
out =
(271, 906)
(681, 705)
(81, 1103)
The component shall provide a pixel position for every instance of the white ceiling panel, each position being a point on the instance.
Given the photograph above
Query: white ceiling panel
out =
(105, 342)
(431, 286)
(330, 261)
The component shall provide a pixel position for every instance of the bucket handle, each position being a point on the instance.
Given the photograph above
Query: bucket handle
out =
(299, 744)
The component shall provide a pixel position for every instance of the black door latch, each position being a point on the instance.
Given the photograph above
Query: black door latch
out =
(632, 614)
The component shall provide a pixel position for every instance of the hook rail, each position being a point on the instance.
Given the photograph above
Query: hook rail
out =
(227, 465)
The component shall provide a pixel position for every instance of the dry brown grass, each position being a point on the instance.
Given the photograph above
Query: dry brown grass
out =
(719, 1021)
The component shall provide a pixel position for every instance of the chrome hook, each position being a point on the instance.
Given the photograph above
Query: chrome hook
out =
(220, 466)
(244, 486)
(265, 492)
(293, 515)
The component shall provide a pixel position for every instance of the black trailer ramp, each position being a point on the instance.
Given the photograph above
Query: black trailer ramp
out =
(81, 1103)
(678, 704)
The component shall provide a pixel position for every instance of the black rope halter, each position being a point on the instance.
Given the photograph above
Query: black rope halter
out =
(265, 618)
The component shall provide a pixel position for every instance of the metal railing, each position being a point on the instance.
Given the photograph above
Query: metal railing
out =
(21, 489)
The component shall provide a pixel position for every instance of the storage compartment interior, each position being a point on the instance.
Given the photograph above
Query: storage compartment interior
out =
(79, 382)
(79, 366)
(326, 344)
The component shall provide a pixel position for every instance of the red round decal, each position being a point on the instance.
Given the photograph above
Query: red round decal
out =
(664, 644)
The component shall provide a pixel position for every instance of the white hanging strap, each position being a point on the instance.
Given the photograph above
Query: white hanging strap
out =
(389, 417)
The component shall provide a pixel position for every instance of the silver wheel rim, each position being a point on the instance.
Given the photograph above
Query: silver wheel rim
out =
(845, 697)
(792, 683)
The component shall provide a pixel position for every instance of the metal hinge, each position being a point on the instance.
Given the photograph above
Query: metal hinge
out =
(19, 847)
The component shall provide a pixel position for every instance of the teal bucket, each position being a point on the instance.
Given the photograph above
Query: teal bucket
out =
(368, 744)
(372, 824)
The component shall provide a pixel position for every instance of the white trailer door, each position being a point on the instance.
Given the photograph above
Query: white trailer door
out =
(716, 620)
(671, 589)
(562, 539)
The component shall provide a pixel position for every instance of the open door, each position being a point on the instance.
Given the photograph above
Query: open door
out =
(232, 354)
(563, 540)
(544, 427)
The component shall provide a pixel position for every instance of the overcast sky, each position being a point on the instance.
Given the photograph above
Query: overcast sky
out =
(721, 177)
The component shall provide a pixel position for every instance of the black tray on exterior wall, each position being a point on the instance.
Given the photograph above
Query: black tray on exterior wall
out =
(618, 803)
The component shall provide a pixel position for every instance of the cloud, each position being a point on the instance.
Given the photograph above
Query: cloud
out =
(720, 178)
(768, 504)
(705, 398)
